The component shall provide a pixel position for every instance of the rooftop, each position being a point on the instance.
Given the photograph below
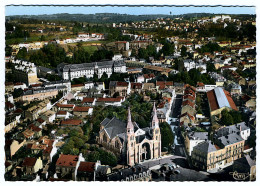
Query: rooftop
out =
(67, 160)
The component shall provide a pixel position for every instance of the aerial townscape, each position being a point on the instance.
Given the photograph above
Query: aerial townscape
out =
(120, 97)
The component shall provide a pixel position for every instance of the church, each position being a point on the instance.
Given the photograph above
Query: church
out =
(134, 144)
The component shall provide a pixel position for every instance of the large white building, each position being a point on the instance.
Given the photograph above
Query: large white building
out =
(88, 69)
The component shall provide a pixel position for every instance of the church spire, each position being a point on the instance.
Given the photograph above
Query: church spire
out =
(155, 121)
(130, 126)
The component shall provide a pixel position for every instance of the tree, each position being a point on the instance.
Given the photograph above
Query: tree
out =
(226, 118)
(167, 137)
(17, 92)
(183, 51)
(167, 49)
(142, 53)
(43, 38)
(22, 54)
(211, 67)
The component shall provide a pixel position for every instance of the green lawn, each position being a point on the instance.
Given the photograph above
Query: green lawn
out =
(90, 49)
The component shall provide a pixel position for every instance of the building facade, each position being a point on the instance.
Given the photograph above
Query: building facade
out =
(89, 69)
(131, 142)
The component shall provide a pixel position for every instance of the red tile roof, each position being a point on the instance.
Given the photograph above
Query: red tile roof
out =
(230, 100)
(34, 128)
(217, 147)
(40, 120)
(214, 103)
(188, 102)
(29, 162)
(187, 114)
(77, 85)
(81, 109)
(67, 160)
(9, 105)
(109, 99)
(167, 99)
(136, 85)
(148, 76)
(88, 100)
(164, 84)
(18, 111)
(28, 133)
(71, 122)
(121, 84)
(7, 164)
(199, 84)
(161, 105)
(61, 112)
(86, 167)
(212, 100)
(47, 150)
(64, 105)
(36, 85)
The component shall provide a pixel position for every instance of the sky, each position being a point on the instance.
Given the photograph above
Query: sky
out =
(37, 10)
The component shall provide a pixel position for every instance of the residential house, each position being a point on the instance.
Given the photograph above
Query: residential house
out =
(12, 146)
(82, 111)
(121, 88)
(89, 101)
(71, 123)
(64, 107)
(48, 116)
(66, 166)
(92, 171)
(77, 87)
(136, 87)
(31, 165)
(62, 114)
(239, 128)
(194, 138)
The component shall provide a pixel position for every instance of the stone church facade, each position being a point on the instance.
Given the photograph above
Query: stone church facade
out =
(127, 139)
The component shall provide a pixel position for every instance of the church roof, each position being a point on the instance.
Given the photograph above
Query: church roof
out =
(114, 127)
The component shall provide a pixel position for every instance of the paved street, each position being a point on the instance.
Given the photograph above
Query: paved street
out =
(176, 106)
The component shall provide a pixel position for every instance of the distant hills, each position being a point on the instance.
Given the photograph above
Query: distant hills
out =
(112, 17)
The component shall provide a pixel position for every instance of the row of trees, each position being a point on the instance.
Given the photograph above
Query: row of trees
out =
(51, 55)
(191, 77)
(231, 117)
(230, 32)
(150, 51)
(167, 137)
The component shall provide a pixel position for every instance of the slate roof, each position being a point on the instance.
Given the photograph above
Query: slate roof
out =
(206, 147)
(198, 135)
(140, 138)
(230, 139)
(115, 127)
(231, 129)
(221, 99)
(91, 66)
